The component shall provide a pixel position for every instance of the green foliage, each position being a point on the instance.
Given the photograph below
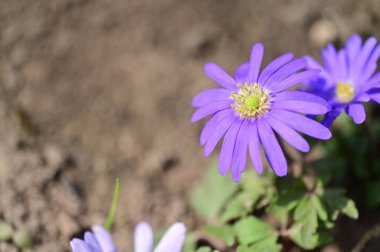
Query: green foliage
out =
(224, 233)
(22, 239)
(5, 231)
(112, 212)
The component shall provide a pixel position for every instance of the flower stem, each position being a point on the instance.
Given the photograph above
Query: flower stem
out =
(112, 211)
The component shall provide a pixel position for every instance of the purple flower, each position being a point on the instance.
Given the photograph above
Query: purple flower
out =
(346, 80)
(172, 240)
(100, 240)
(248, 110)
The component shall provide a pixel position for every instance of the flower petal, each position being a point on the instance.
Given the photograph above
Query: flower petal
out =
(173, 239)
(257, 54)
(273, 151)
(143, 237)
(302, 124)
(218, 132)
(212, 108)
(353, 45)
(285, 71)
(375, 95)
(288, 134)
(91, 241)
(360, 62)
(293, 80)
(357, 112)
(218, 75)
(274, 66)
(78, 245)
(241, 74)
(210, 96)
(104, 239)
(228, 146)
(239, 157)
(211, 124)
(330, 57)
(331, 116)
(254, 147)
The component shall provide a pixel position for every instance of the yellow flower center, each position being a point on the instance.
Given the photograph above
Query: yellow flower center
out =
(344, 92)
(250, 101)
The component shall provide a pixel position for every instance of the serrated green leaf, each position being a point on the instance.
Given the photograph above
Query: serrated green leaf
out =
(350, 209)
(305, 214)
(321, 210)
(251, 229)
(267, 245)
(225, 233)
(316, 240)
(210, 196)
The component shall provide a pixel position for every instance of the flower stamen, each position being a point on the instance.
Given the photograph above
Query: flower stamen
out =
(344, 92)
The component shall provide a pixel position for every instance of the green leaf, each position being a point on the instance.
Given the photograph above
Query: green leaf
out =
(266, 245)
(306, 215)
(5, 231)
(337, 202)
(321, 210)
(240, 205)
(316, 240)
(22, 239)
(211, 195)
(350, 209)
(251, 229)
(225, 233)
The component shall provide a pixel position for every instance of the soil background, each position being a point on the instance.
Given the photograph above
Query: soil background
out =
(96, 90)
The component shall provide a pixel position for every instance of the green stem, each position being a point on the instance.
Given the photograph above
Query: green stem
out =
(112, 212)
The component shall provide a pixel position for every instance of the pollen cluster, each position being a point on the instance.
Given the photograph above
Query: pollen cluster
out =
(344, 92)
(250, 101)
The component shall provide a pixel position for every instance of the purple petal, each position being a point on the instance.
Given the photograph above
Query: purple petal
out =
(257, 54)
(311, 63)
(371, 66)
(218, 132)
(78, 245)
(212, 108)
(228, 146)
(302, 124)
(274, 66)
(284, 72)
(254, 147)
(241, 74)
(272, 148)
(357, 112)
(342, 65)
(364, 97)
(331, 116)
(210, 96)
(353, 47)
(360, 62)
(104, 239)
(375, 95)
(173, 239)
(293, 80)
(218, 75)
(211, 124)
(288, 134)
(239, 157)
(91, 241)
(330, 57)
(143, 237)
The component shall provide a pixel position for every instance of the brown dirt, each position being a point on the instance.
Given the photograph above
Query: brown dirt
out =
(94, 90)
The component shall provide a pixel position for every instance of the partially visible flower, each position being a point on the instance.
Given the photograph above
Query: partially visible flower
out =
(100, 240)
(248, 110)
(346, 79)
(172, 240)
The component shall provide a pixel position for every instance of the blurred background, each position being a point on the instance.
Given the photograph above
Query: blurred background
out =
(95, 90)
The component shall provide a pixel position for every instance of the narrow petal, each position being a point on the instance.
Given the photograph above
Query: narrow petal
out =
(143, 237)
(301, 96)
(173, 239)
(293, 80)
(302, 124)
(343, 68)
(218, 133)
(331, 116)
(288, 134)
(330, 57)
(365, 53)
(104, 239)
(218, 75)
(210, 96)
(241, 74)
(213, 123)
(357, 112)
(353, 47)
(78, 245)
(274, 66)
(284, 72)
(375, 95)
(257, 54)
(239, 157)
(311, 63)
(254, 147)
(364, 97)
(370, 67)
(228, 146)
(273, 151)
(92, 243)
(212, 108)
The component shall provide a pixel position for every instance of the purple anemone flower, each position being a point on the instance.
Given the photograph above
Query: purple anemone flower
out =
(172, 240)
(100, 240)
(346, 80)
(248, 110)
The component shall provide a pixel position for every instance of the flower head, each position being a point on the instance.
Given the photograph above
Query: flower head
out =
(100, 240)
(346, 79)
(249, 108)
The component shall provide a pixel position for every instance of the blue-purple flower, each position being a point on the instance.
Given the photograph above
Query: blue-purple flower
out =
(100, 240)
(248, 110)
(346, 80)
